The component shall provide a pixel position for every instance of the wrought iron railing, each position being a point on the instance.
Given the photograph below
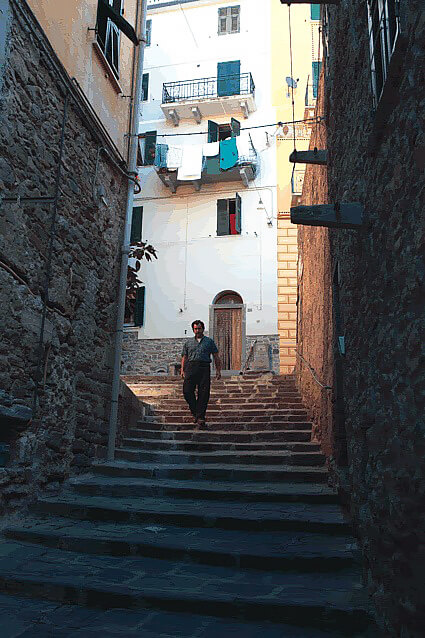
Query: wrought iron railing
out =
(240, 84)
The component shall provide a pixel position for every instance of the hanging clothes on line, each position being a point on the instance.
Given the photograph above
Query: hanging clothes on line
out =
(191, 168)
(161, 151)
(174, 157)
(228, 153)
(244, 147)
(211, 149)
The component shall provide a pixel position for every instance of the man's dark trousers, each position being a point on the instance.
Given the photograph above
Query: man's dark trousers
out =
(197, 375)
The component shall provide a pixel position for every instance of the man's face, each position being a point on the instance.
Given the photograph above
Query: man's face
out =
(198, 330)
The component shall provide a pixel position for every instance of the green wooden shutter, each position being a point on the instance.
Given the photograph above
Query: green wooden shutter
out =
(238, 217)
(223, 227)
(139, 307)
(145, 87)
(229, 78)
(316, 73)
(212, 131)
(150, 147)
(136, 225)
(315, 11)
(148, 32)
(235, 126)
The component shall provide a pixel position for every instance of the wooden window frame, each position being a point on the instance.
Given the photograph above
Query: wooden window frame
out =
(233, 205)
(111, 31)
(225, 13)
(145, 99)
(384, 34)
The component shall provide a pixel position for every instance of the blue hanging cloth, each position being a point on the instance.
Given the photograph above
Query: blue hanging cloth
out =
(161, 152)
(228, 154)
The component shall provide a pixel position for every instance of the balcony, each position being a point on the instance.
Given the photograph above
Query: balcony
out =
(206, 97)
(244, 171)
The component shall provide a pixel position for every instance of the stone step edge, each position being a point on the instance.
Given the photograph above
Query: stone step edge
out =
(218, 603)
(98, 542)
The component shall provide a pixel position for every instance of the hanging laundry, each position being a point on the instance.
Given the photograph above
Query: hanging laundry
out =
(244, 147)
(161, 151)
(174, 157)
(211, 149)
(228, 153)
(191, 168)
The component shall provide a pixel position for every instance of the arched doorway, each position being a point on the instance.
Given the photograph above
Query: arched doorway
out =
(228, 329)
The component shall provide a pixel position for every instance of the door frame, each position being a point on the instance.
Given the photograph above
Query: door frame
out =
(211, 326)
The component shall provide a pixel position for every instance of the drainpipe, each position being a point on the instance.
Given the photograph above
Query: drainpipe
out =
(132, 169)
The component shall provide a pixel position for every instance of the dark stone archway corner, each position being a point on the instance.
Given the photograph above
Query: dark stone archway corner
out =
(14, 417)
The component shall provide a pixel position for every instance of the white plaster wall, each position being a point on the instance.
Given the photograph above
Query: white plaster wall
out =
(193, 263)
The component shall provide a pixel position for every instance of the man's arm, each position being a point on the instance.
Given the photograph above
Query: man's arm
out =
(217, 363)
(184, 359)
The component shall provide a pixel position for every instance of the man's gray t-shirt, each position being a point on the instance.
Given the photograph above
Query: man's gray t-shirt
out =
(196, 350)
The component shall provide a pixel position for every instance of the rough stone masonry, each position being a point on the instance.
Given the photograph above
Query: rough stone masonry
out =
(378, 273)
(76, 357)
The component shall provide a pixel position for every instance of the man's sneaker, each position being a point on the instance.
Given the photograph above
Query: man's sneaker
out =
(201, 422)
(195, 419)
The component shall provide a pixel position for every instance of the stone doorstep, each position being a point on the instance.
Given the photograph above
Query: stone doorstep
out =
(327, 601)
(226, 437)
(170, 445)
(257, 457)
(268, 551)
(204, 490)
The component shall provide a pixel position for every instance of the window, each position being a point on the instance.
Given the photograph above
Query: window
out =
(139, 307)
(229, 20)
(145, 87)
(147, 149)
(148, 32)
(229, 78)
(315, 11)
(136, 225)
(108, 35)
(229, 213)
(218, 132)
(384, 30)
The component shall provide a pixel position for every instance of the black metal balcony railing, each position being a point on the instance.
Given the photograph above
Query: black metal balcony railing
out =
(240, 84)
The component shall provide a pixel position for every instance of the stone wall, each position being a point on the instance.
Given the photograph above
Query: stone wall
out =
(154, 356)
(377, 160)
(71, 424)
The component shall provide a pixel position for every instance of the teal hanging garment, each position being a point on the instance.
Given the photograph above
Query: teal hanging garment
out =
(228, 154)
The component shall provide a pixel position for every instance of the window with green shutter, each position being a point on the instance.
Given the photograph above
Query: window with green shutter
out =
(316, 74)
(229, 78)
(136, 225)
(229, 216)
(229, 20)
(315, 11)
(212, 131)
(145, 87)
(139, 307)
(148, 32)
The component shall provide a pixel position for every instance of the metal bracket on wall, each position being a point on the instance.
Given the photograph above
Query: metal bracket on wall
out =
(309, 157)
(343, 215)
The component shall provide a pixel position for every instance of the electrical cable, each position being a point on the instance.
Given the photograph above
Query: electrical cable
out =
(292, 75)
(246, 128)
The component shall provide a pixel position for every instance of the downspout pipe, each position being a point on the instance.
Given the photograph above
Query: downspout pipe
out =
(125, 250)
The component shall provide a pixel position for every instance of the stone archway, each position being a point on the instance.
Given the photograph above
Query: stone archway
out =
(228, 328)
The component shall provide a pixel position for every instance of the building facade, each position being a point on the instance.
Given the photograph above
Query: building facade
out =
(361, 310)
(215, 227)
(64, 72)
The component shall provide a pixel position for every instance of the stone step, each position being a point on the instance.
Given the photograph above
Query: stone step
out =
(229, 473)
(173, 403)
(28, 617)
(217, 412)
(298, 517)
(217, 427)
(242, 457)
(268, 551)
(204, 489)
(217, 446)
(225, 437)
(318, 600)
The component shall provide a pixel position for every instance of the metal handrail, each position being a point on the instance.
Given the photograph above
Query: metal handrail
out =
(313, 372)
(206, 88)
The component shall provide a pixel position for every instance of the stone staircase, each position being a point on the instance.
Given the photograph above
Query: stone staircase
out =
(231, 530)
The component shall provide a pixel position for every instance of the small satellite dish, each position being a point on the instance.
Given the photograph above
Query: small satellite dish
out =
(291, 83)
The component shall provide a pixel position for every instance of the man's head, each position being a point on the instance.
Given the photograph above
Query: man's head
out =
(198, 327)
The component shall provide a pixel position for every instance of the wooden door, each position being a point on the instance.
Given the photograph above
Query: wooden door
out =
(228, 336)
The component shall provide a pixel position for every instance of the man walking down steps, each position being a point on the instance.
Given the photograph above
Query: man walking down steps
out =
(195, 370)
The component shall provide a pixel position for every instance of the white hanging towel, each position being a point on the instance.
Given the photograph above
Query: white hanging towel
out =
(191, 167)
(244, 146)
(174, 157)
(211, 149)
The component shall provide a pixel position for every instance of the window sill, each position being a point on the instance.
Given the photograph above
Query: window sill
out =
(130, 327)
(109, 73)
